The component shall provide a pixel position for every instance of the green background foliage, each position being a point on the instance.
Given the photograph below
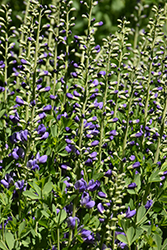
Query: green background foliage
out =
(107, 11)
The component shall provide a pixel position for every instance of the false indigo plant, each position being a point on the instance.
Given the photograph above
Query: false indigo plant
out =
(82, 130)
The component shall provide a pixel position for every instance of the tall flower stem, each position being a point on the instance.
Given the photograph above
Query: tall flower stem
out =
(104, 105)
(34, 86)
(161, 131)
(127, 128)
(22, 38)
(66, 58)
(55, 57)
(86, 93)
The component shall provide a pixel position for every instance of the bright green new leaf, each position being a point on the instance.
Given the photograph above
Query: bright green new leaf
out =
(10, 240)
(30, 195)
(122, 238)
(21, 227)
(140, 214)
(130, 234)
(3, 245)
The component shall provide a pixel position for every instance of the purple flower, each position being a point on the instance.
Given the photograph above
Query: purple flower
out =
(97, 48)
(44, 136)
(101, 73)
(32, 164)
(94, 143)
(88, 162)
(100, 208)
(52, 97)
(102, 195)
(90, 204)
(19, 101)
(71, 221)
(47, 108)
(93, 154)
(41, 129)
(69, 95)
(74, 74)
(98, 24)
(42, 115)
(108, 173)
(68, 148)
(139, 134)
(76, 93)
(132, 185)
(86, 200)
(80, 185)
(8, 180)
(42, 159)
(136, 164)
(132, 157)
(23, 61)
(149, 204)
(93, 185)
(87, 236)
(19, 185)
(114, 119)
(113, 132)
(18, 152)
(129, 213)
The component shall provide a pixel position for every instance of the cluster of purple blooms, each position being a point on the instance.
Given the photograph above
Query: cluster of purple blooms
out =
(104, 123)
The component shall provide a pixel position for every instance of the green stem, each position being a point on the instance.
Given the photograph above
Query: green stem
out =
(33, 88)
(104, 108)
(161, 133)
(127, 127)
(66, 59)
(58, 238)
(21, 38)
(86, 94)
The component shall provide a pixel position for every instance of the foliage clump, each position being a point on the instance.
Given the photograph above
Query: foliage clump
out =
(82, 131)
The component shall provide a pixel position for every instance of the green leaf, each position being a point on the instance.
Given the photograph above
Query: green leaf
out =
(54, 209)
(21, 227)
(139, 231)
(164, 166)
(2, 112)
(137, 180)
(129, 234)
(61, 216)
(163, 198)
(140, 214)
(30, 195)
(64, 153)
(47, 188)
(10, 240)
(49, 118)
(94, 222)
(3, 245)
(158, 240)
(45, 213)
(72, 197)
(86, 219)
(154, 177)
(79, 238)
(97, 176)
(43, 223)
(164, 247)
(131, 191)
(37, 188)
(147, 228)
(54, 130)
(122, 238)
